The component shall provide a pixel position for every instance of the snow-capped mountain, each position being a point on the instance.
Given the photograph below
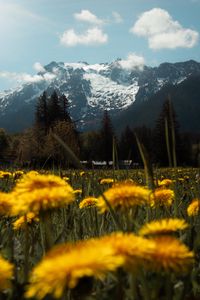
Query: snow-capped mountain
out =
(90, 89)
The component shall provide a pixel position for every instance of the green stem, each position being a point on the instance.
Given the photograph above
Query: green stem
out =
(133, 286)
(46, 232)
(26, 250)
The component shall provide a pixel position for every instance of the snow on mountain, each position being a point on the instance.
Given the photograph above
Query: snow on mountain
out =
(104, 91)
(91, 88)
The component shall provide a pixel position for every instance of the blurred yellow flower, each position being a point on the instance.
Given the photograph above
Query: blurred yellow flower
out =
(5, 204)
(163, 226)
(180, 179)
(20, 223)
(134, 250)
(106, 180)
(162, 197)
(32, 173)
(77, 192)
(63, 269)
(35, 193)
(18, 174)
(5, 174)
(194, 208)
(165, 182)
(123, 195)
(87, 202)
(66, 178)
(170, 255)
(6, 273)
(82, 173)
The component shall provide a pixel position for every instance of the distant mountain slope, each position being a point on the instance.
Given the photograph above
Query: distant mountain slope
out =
(94, 88)
(186, 102)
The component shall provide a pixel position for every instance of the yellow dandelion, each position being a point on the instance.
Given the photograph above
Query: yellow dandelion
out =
(33, 173)
(82, 173)
(170, 255)
(123, 195)
(5, 204)
(194, 208)
(35, 193)
(5, 174)
(61, 270)
(18, 174)
(88, 202)
(162, 197)
(134, 250)
(163, 226)
(77, 192)
(20, 223)
(6, 273)
(165, 182)
(106, 180)
(181, 179)
(66, 178)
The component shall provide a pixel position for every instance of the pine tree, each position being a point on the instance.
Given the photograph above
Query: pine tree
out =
(127, 144)
(54, 109)
(64, 105)
(167, 141)
(4, 142)
(106, 138)
(41, 113)
(52, 116)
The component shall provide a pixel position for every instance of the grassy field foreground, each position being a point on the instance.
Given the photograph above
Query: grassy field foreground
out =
(100, 235)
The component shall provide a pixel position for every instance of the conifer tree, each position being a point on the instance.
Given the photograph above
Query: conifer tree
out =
(106, 138)
(127, 144)
(54, 109)
(4, 142)
(41, 113)
(167, 141)
(64, 106)
(52, 115)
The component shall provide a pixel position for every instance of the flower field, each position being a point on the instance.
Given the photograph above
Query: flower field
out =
(100, 234)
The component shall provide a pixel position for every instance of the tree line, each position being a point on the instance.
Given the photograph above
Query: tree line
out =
(37, 146)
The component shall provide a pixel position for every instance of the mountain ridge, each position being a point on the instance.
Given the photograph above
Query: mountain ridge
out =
(91, 89)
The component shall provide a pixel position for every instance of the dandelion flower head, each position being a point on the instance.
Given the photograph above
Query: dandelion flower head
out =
(5, 204)
(29, 218)
(162, 197)
(106, 180)
(194, 208)
(6, 273)
(165, 182)
(35, 193)
(5, 175)
(135, 250)
(170, 255)
(88, 202)
(163, 226)
(63, 269)
(123, 195)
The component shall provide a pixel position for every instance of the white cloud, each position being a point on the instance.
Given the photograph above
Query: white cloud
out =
(26, 78)
(92, 36)
(117, 17)
(162, 31)
(38, 67)
(86, 16)
(132, 62)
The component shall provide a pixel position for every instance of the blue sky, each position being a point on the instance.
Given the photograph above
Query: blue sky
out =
(35, 32)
